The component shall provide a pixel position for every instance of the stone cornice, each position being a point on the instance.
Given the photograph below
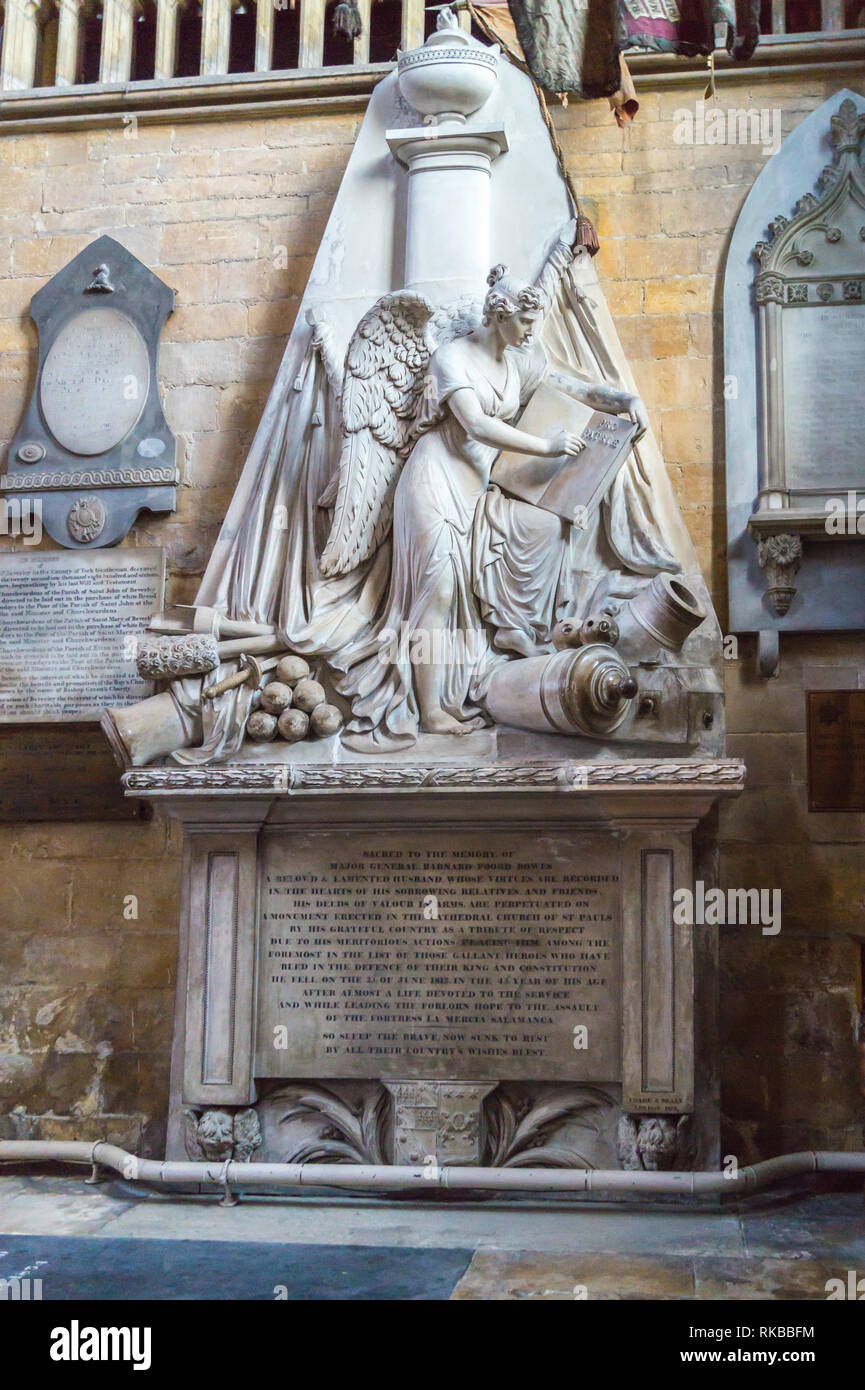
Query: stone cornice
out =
(722, 776)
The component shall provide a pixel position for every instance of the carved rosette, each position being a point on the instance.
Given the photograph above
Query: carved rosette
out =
(780, 557)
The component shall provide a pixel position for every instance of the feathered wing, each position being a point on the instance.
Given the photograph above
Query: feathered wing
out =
(455, 320)
(382, 388)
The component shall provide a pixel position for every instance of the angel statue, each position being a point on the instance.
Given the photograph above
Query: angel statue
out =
(429, 397)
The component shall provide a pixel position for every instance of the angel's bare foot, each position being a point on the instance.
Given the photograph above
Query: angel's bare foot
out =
(438, 721)
(510, 639)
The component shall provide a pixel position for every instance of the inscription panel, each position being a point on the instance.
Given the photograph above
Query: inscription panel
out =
(468, 955)
(824, 384)
(67, 644)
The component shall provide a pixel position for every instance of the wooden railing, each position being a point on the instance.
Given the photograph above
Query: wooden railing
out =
(67, 43)
(813, 16)
(44, 41)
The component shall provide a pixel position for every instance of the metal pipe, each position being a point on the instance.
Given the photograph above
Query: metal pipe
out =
(387, 1178)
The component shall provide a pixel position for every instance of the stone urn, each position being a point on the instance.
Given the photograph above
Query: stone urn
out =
(450, 76)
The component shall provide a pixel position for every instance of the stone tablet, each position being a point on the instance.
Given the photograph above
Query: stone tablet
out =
(482, 957)
(95, 381)
(568, 487)
(64, 772)
(70, 620)
(823, 348)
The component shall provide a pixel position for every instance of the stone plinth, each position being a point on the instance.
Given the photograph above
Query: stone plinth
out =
(357, 937)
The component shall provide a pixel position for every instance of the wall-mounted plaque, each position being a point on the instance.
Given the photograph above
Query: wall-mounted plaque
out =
(404, 962)
(64, 773)
(94, 447)
(69, 628)
(836, 750)
(794, 328)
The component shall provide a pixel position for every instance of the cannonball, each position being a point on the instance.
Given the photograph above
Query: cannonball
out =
(261, 726)
(291, 670)
(308, 694)
(566, 634)
(325, 720)
(276, 697)
(293, 724)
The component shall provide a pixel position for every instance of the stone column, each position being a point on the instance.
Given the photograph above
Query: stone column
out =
(216, 36)
(448, 214)
(118, 38)
(68, 42)
(167, 12)
(20, 44)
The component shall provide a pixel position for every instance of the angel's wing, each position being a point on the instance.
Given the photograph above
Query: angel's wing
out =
(382, 386)
(455, 320)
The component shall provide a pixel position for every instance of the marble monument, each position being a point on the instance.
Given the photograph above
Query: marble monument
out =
(447, 709)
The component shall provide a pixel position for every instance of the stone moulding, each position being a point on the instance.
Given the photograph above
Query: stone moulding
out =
(727, 774)
(108, 477)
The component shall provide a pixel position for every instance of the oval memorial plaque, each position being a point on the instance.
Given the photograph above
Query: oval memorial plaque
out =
(95, 381)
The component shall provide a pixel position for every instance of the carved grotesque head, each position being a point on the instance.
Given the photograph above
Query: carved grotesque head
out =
(216, 1134)
(658, 1141)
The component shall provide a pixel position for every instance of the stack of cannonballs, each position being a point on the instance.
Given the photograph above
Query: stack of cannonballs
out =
(292, 706)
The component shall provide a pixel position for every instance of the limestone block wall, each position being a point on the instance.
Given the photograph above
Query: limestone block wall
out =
(229, 213)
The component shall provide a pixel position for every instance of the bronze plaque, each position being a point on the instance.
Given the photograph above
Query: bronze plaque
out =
(61, 772)
(836, 750)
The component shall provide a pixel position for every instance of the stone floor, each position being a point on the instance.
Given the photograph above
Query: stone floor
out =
(114, 1242)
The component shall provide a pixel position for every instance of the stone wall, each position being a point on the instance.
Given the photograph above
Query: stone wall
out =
(229, 213)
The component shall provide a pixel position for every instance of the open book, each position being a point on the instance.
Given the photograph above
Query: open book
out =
(571, 487)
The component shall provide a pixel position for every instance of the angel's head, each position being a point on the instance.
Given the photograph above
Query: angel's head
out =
(513, 306)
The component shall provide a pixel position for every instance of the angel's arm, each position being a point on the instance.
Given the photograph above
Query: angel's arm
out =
(597, 395)
(486, 429)
(556, 264)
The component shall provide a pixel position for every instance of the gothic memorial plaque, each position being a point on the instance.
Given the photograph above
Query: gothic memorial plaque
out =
(94, 448)
(477, 955)
(809, 292)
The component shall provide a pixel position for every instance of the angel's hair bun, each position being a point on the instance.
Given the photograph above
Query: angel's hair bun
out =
(507, 295)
